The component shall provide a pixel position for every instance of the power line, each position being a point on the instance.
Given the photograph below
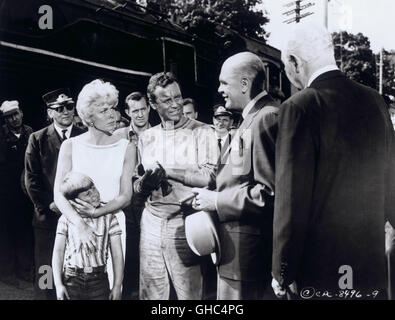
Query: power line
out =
(297, 11)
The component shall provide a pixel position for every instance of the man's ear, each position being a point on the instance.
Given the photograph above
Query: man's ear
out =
(245, 83)
(295, 62)
(50, 113)
(152, 104)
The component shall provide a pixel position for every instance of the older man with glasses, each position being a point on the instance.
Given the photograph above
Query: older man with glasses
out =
(40, 164)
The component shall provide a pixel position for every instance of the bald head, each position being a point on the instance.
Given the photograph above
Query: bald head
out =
(242, 78)
(246, 63)
(308, 47)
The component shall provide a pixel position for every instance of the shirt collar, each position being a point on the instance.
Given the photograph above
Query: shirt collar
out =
(315, 75)
(251, 104)
(132, 129)
(59, 130)
(223, 138)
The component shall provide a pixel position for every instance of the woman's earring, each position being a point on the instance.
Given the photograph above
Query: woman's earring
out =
(91, 124)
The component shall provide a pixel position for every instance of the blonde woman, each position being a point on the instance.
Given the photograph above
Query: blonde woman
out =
(107, 159)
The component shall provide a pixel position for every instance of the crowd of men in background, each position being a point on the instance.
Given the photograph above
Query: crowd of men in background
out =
(310, 194)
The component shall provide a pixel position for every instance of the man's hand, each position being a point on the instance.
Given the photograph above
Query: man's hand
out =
(87, 238)
(151, 180)
(115, 293)
(83, 208)
(204, 199)
(389, 238)
(281, 292)
(54, 208)
(61, 293)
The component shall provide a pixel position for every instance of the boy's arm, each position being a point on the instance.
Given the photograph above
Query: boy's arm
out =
(58, 258)
(57, 266)
(118, 266)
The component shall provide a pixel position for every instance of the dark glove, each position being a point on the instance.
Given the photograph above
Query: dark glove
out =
(165, 185)
(140, 170)
(151, 180)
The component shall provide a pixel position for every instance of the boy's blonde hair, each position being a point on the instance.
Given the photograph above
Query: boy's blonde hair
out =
(74, 183)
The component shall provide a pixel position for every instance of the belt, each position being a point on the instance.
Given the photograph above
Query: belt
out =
(77, 270)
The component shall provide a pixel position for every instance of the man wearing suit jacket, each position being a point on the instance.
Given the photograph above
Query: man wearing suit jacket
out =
(40, 164)
(222, 123)
(335, 177)
(245, 182)
(217, 137)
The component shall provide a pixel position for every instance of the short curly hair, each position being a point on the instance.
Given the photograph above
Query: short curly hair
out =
(161, 79)
(90, 93)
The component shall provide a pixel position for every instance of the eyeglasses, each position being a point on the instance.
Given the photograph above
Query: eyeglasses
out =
(60, 109)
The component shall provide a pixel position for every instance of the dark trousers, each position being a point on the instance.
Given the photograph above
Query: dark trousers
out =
(130, 287)
(44, 289)
(87, 286)
(16, 237)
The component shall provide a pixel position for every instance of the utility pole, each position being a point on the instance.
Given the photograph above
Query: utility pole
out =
(381, 72)
(326, 3)
(297, 11)
(341, 51)
(340, 46)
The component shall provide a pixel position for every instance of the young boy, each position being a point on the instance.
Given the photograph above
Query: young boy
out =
(78, 274)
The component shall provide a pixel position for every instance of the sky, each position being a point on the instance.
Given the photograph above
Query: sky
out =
(374, 18)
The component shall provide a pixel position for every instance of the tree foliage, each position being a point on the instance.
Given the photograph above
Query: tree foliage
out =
(210, 19)
(355, 58)
(388, 72)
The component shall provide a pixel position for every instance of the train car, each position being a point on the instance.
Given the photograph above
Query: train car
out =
(48, 44)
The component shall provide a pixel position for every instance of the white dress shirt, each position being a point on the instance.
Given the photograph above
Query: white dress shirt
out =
(223, 138)
(250, 104)
(59, 130)
(316, 74)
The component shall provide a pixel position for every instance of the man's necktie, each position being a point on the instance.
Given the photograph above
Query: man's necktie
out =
(219, 150)
(64, 134)
(220, 145)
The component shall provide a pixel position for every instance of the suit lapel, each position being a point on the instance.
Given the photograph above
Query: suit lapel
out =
(261, 103)
(53, 137)
(75, 131)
